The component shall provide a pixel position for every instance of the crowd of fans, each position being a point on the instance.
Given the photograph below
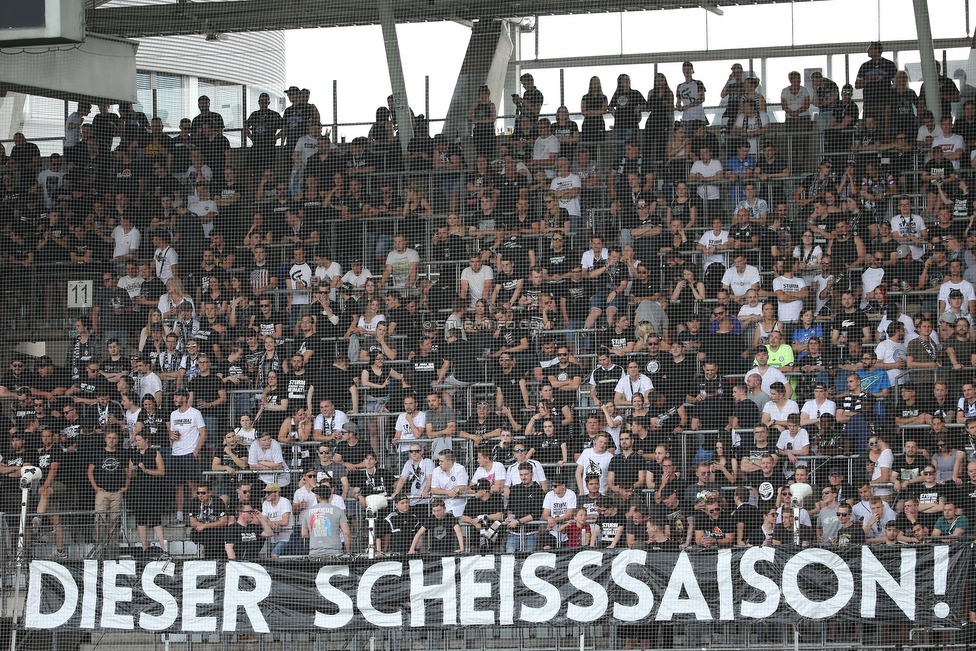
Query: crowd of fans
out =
(531, 365)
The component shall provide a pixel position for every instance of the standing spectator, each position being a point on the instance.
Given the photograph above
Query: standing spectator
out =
(416, 476)
(278, 512)
(874, 77)
(25, 160)
(146, 472)
(795, 101)
(529, 105)
(450, 481)
(625, 106)
(263, 128)
(325, 525)
(165, 256)
(690, 96)
(187, 435)
(439, 526)
(108, 478)
(265, 455)
(525, 504)
(707, 169)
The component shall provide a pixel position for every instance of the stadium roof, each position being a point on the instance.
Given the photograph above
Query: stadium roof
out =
(226, 16)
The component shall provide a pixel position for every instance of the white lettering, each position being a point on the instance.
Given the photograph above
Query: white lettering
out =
(113, 593)
(817, 609)
(683, 576)
(472, 590)
(234, 596)
(194, 595)
(747, 569)
(445, 592)
(542, 588)
(723, 573)
(171, 609)
(587, 585)
(506, 591)
(333, 595)
(874, 574)
(33, 617)
(645, 596)
(364, 596)
(90, 596)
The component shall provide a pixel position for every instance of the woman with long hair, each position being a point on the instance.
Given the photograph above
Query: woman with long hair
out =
(170, 301)
(724, 469)
(808, 253)
(555, 218)
(660, 117)
(949, 462)
(151, 422)
(567, 133)
(375, 386)
(594, 106)
(904, 106)
(153, 318)
(482, 116)
(678, 155)
(625, 106)
(382, 141)
(143, 503)
(685, 292)
(766, 325)
(684, 206)
(219, 298)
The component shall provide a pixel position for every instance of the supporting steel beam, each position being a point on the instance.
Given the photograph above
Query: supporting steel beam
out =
(726, 54)
(926, 51)
(400, 104)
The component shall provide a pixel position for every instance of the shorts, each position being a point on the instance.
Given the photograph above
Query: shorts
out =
(599, 301)
(182, 468)
(144, 509)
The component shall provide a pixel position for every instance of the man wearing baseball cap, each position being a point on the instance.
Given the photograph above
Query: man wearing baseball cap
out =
(187, 435)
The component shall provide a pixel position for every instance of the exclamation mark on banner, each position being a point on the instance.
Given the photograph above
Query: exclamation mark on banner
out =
(940, 571)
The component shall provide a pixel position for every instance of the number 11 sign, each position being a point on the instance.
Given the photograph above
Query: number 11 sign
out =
(79, 293)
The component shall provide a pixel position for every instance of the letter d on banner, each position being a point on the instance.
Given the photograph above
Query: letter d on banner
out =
(33, 617)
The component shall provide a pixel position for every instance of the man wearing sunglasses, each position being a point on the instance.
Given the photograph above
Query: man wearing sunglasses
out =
(717, 529)
(206, 523)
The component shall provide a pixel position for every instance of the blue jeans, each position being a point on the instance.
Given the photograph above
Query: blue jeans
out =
(823, 120)
(515, 542)
(213, 435)
(296, 181)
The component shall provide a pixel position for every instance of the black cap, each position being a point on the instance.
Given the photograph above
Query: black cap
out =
(955, 293)
(482, 485)
(181, 392)
(322, 491)
(292, 90)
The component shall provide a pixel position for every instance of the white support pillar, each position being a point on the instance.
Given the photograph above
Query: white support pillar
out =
(11, 114)
(400, 103)
(926, 51)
